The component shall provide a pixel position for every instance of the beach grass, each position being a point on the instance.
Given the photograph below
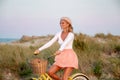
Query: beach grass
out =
(98, 56)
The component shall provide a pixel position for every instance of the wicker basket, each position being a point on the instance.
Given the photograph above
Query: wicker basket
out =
(39, 66)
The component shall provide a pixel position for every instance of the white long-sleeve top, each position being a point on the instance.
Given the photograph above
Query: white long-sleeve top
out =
(66, 44)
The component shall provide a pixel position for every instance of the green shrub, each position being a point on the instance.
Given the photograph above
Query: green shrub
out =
(115, 67)
(24, 69)
(79, 42)
(31, 47)
(117, 48)
(100, 35)
(97, 69)
(32, 41)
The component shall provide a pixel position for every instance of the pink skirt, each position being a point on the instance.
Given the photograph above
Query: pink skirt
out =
(67, 58)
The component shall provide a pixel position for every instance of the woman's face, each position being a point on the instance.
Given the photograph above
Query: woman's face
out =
(64, 24)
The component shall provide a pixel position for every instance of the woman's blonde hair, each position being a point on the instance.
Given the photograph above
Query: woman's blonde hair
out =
(70, 28)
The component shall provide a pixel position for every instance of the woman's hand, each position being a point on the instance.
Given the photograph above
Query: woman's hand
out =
(57, 52)
(37, 52)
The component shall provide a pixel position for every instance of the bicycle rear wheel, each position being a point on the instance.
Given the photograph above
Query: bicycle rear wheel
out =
(78, 76)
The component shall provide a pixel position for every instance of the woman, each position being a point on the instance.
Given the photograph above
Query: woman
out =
(65, 57)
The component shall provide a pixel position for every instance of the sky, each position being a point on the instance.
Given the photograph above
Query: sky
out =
(41, 17)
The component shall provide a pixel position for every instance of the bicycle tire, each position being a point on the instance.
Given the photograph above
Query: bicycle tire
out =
(79, 76)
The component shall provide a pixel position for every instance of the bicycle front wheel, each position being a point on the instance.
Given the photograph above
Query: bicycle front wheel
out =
(78, 76)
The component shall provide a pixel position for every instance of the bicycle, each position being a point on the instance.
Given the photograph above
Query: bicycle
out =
(76, 76)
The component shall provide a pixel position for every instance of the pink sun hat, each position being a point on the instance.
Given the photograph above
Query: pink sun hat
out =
(67, 19)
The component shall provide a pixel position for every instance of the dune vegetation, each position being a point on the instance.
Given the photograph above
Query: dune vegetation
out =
(99, 56)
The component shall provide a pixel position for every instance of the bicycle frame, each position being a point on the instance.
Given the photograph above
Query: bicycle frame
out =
(47, 77)
(43, 77)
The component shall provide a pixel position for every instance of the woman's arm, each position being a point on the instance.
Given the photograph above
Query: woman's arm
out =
(48, 44)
